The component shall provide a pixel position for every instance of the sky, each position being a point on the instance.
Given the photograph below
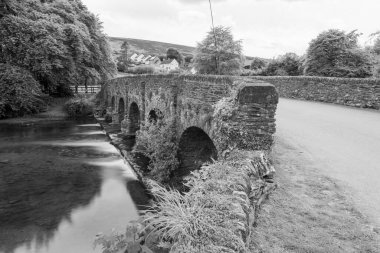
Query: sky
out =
(268, 28)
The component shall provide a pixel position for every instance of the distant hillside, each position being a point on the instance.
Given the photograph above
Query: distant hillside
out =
(155, 47)
(148, 47)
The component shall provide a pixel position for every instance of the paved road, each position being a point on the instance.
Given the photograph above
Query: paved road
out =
(344, 141)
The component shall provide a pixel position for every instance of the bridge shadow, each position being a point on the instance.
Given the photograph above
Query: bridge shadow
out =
(139, 194)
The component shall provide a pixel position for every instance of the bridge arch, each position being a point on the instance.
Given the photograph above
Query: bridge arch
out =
(133, 118)
(195, 149)
(121, 110)
(155, 115)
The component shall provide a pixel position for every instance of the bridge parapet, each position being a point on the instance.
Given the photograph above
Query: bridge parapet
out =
(231, 111)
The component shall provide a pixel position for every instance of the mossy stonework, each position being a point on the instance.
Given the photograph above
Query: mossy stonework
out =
(234, 112)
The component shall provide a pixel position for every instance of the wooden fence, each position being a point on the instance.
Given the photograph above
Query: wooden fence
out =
(83, 89)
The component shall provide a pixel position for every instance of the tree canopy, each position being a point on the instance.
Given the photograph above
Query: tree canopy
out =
(60, 42)
(257, 63)
(335, 53)
(173, 53)
(223, 57)
(285, 65)
(20, 93)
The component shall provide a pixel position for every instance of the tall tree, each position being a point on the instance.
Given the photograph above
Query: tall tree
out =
(335, 53)
(219, 53)
(122, 60)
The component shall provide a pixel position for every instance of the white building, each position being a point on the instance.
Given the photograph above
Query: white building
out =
(154, 60)
(134, 57)
(146, 59)
(140, 58)
(169, 65)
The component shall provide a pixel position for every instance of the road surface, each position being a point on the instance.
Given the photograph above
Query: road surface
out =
(343, 141)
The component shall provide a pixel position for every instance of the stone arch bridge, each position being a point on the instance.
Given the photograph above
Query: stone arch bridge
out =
(212, 113)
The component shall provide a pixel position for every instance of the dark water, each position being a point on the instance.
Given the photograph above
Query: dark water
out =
(60, 185)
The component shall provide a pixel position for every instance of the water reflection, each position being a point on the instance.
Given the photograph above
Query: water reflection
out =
(34, 201)
(138, 193)
(61, 184)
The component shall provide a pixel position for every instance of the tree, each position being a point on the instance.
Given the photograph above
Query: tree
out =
(374, 51)
(162, 57)
(223, 56)
(189, 58)
(173, 53)
(20, 93)
(337, 54)
(284, 65)
(257, 63)
(122, 60)
(59, 42)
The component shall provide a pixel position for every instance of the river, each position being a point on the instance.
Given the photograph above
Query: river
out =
(61, 184)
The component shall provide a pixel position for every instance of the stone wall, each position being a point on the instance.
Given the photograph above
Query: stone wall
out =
(232, 111)
(363, 93)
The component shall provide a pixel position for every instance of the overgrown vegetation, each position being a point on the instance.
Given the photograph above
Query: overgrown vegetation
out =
(157, 140)
(217, 214)
(59, 42)
(80, 106)
(20, 93)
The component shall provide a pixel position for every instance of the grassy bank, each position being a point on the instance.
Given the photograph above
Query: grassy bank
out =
(310, 212)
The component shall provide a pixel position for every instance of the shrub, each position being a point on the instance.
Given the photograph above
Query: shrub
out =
(141, 70)
(20, 93)
(218, 213)
(285, 65)
(158, 142)
(79, 107)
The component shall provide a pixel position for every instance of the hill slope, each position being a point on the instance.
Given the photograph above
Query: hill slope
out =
(148, 47)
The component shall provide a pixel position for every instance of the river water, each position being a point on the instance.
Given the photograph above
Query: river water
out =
(61, 184)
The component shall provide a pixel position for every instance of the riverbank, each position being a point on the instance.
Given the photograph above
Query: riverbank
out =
(124, 144)
(54, 112)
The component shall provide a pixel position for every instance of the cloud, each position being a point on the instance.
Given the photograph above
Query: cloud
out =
(200, 1)
(267, 27)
